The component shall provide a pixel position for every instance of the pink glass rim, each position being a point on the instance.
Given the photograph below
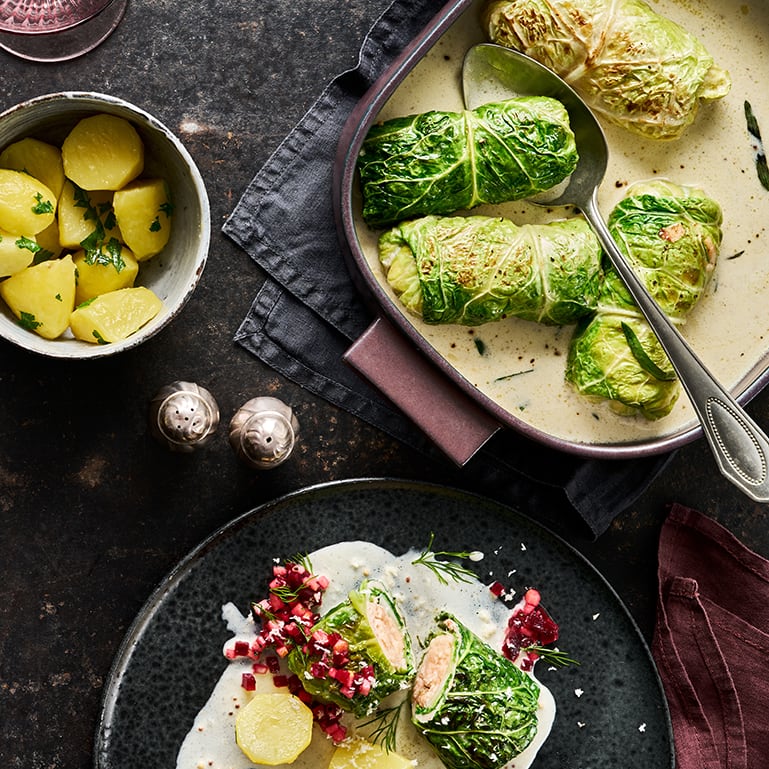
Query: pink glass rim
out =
(36, 17)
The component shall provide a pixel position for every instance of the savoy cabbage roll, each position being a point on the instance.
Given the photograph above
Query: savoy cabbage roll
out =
(440, 162)
(358, 653)
(475, 707)
(476, 269)
(671, 235)
(637, 68)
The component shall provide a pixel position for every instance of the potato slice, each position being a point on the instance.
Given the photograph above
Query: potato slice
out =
(115, 315)
(86, 216)
(102, 152)
(108, 268)
(27, 206)
(39, 159)
(273, 728)
(357, 753)
(16, 253)
(42, 296)
(143, 213)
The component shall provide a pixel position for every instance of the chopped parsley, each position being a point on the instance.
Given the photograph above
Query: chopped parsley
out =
(99, 338)
(42, 206)
(155, 226)
(28, 321)
(42, 255)
(110, 254)
(27, 243)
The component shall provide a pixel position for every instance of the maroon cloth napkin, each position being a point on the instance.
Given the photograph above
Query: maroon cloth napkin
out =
(711, 643)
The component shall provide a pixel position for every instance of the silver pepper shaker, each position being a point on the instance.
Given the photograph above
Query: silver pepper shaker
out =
(183, 416)
(263, 432)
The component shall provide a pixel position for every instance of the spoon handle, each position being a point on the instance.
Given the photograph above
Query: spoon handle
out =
(739, 445)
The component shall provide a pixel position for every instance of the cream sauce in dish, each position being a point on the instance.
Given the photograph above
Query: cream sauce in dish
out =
(210, 743)
(519, 365)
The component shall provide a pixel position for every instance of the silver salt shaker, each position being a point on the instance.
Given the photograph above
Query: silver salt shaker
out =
(183, 416)
(263, 432)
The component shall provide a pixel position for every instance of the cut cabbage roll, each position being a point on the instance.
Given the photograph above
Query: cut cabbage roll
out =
(636, 67)
(474, 706)
(476, 269)
(358, 653)
(671, 235)
(441, 162)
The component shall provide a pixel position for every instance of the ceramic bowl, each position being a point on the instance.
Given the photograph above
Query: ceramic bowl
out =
(173, 274)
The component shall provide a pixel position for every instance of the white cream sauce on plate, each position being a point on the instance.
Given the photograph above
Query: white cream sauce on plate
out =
(210, 743)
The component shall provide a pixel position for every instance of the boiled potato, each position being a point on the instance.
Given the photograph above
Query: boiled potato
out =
(27, 206)
(16, 253)
(48, 240)
(273, 728)
(357, 753)
(102, 152)
(37, 158)
(107, 269)
(85, 215)
(115, 315)
(143, 213)
(42, 296)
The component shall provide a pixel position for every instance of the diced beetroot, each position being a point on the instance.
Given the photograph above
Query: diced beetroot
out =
(319, 669)
(342, 676)
(248, 682)
(280, 680)
(529, 625)
(260, 668)
(303, 695)
(496, 589)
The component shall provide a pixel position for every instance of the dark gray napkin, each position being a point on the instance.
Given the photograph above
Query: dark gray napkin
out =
(308, 311)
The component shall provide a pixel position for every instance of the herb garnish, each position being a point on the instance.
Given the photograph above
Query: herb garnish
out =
(455, 571)
(27, 320)
(42, 206)
(553, 656)
(514, 374)
(103, 218)
(108, 254)
(644, 361)
(761, 167)
(386, 727)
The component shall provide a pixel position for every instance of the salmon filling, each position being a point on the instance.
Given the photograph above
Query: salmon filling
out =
(433, 670)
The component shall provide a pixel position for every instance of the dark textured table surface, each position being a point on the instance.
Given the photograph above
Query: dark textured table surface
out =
(93, 512)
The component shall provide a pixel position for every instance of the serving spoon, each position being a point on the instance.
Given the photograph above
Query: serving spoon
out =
(740, 447)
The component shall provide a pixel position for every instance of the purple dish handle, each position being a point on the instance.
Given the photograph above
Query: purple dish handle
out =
(450, 418)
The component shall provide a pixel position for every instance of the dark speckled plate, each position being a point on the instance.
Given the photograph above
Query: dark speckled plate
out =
(171, 658)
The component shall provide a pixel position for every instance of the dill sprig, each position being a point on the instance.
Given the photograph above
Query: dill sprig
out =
(455, 571)
(552, 656)
(385, 727)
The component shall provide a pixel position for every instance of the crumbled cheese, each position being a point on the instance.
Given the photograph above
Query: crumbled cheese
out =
(596, 616)
(642, 728)
(523, 547)
(579, 692)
